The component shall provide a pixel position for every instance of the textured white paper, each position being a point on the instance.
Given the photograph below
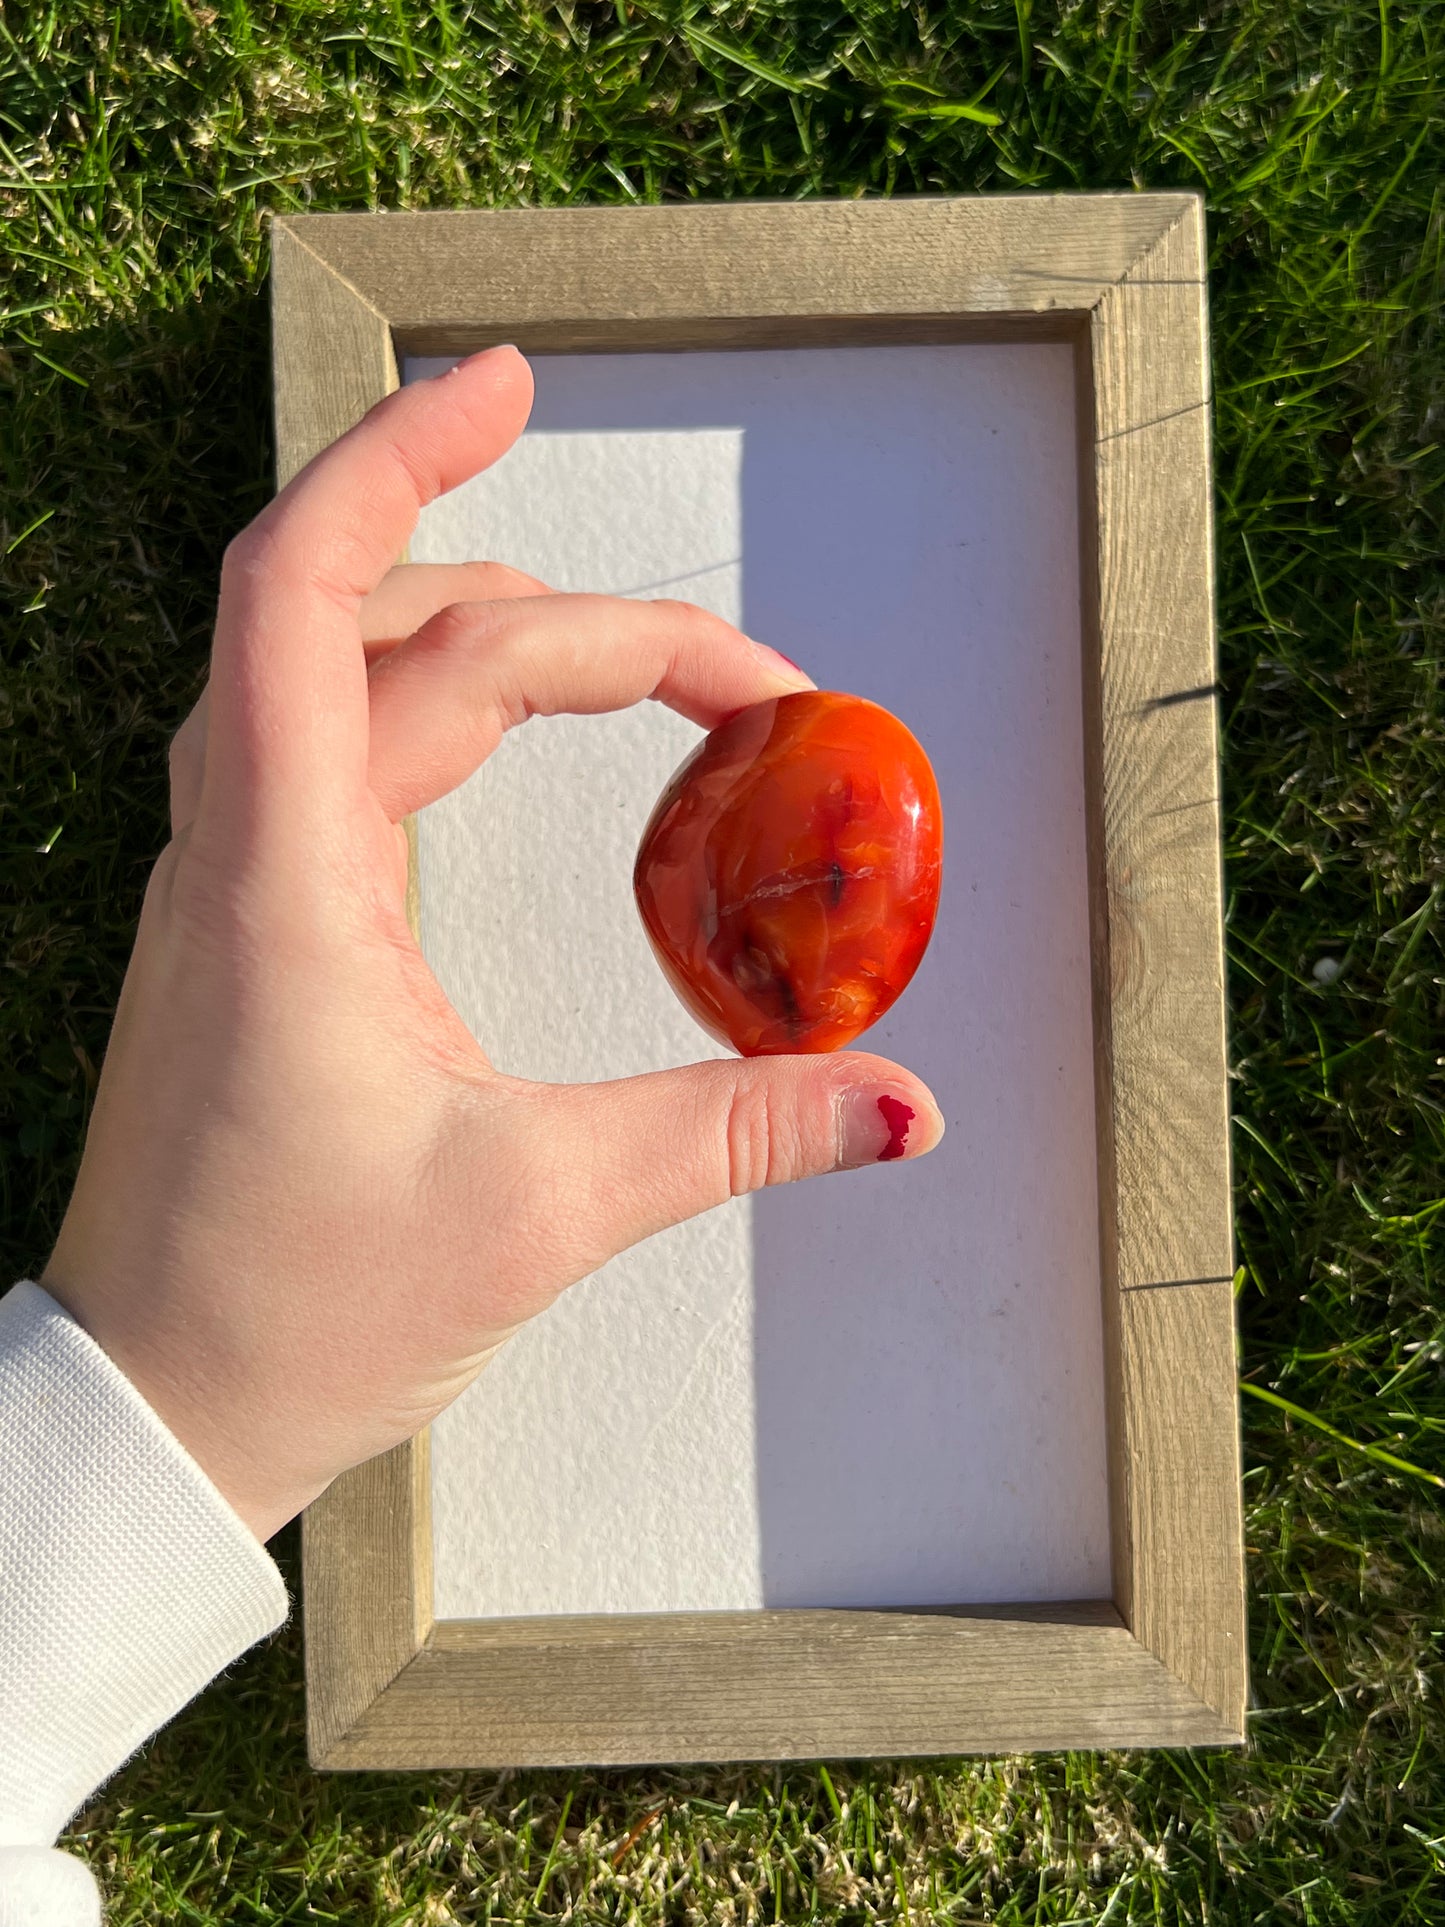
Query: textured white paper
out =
(885, 1386)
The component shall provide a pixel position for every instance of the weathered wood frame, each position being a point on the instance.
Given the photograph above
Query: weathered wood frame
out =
(1162, 1663)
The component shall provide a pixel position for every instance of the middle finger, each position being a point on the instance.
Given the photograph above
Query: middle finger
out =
(413, 592)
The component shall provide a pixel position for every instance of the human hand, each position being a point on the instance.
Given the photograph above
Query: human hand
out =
(309, 1208)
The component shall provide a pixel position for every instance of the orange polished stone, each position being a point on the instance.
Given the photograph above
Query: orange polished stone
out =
(788, 877)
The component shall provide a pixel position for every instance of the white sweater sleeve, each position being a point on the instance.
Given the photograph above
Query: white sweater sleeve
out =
(126, 1583)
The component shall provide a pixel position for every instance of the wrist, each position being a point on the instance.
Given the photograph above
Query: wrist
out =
(202, 1423)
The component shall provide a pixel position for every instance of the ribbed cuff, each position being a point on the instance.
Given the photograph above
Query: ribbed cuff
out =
(127, 1581)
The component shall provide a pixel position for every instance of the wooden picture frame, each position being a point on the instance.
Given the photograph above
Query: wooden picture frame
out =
(1162, 1662)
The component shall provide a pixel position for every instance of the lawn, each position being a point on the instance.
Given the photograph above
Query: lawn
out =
(141, 147)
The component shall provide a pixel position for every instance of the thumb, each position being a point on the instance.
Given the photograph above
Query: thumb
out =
(662, 1147)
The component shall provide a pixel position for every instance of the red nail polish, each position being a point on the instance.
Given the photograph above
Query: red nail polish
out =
(897, 1116)
(873, 1127)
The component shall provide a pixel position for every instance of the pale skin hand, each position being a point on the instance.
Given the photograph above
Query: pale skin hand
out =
(309, 1209)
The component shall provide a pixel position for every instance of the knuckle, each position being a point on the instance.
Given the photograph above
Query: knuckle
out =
(160, 884)
(249, 558)
(189, 738)
(181, 757)
(245, 552)
(413, 464)
(760, 1145)
(225, 899)
(463, 625)
(212, 904)
(185, 777)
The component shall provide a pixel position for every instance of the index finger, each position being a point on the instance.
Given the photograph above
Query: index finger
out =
(288, 732)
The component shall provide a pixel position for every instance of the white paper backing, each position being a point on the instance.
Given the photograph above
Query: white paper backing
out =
(885, 1386)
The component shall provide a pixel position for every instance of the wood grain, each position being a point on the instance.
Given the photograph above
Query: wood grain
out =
(635, 1689)
(1160, 771)
(697, 333)
(331, 353)
(366, 1559)
(366, 1545)
(1180, 1475)
(1164, 1664)
(1166, 1220)
(649, 269)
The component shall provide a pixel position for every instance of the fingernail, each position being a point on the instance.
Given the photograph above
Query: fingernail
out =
(877, 1124)
(467, 360)
(782, 665)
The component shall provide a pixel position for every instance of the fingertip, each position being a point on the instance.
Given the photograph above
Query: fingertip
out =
(781, 669)
(881, 1119)
(521, 367)
(498, 401)
(499, 352)
(505, 378)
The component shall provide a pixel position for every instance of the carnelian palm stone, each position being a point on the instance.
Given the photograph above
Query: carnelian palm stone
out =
(788, 877)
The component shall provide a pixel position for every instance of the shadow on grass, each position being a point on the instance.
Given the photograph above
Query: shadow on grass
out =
(130, 454)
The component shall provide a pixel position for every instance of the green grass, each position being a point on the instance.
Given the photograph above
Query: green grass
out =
(140, 146)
